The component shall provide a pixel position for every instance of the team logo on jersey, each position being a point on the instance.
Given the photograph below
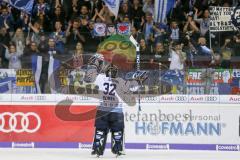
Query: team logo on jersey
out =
(236, 17)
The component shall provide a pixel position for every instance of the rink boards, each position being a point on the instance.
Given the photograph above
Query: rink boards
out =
(168, 122)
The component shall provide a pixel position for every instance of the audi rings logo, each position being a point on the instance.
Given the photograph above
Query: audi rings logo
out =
(19, 122)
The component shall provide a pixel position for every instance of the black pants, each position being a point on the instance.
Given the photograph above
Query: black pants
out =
(109, 121)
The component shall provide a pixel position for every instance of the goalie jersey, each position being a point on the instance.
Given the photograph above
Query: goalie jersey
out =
(110, 101)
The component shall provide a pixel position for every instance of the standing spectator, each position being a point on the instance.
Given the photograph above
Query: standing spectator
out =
(108, 16)
(136, 34)
(13, 54)
(41, 8)
(4, 42)
(237, 45)
(58, 16)
(6, 20)
(160, 55)
(19, 37)
(90, 37)
(43, 21)
(205, 54)
(148, 29)
(175, 32)
(77, 57)
(226, 53)
(73, 35)
(59, 37)
(30, 50)
(75, 9)
(145, 53)
(23, 22)
(36, 31)
(160, 32)
(204, 22)
(137, 14)
(4, 36)
(52, 49)
(177, 56)
(190, 27)
(125, 10)
(84, 12)
(148, 6)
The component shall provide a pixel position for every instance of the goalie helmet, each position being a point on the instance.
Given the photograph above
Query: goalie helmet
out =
(97, 60)
(111, 71)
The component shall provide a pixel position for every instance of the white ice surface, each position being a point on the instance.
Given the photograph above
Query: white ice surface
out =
(75, 154)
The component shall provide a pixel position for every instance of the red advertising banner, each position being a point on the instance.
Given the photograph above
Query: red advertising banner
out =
(46, 123)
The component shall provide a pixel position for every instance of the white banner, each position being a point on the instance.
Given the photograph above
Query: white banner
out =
(220, 19)
(183, 123)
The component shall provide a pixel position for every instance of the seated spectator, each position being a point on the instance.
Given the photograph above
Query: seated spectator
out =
(13, 54)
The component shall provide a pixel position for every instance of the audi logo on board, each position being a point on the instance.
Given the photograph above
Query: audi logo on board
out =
(19, 122)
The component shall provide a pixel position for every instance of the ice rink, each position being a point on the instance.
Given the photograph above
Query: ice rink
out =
(77, 154)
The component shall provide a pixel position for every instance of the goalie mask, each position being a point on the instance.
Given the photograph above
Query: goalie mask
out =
(97, 60)
(111, 71)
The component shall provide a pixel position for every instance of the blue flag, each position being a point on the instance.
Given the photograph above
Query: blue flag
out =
(162, 9)
(23, 5)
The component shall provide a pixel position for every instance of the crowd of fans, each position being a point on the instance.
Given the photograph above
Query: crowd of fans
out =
(65, 29)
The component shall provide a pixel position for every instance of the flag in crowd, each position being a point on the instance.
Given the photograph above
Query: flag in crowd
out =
(99, 29)
(162, 9)
(123, 28)
(37, 69)
(113, 6)
(23, 5)
(53, 80)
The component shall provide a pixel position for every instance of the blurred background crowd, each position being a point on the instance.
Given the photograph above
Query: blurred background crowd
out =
(65, 29)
